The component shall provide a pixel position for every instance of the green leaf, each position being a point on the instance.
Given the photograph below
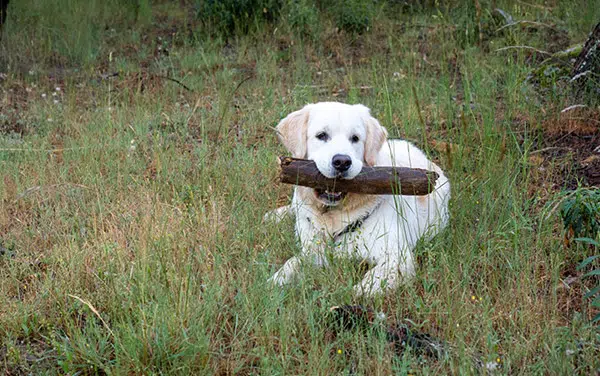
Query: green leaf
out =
(588, 240)
(592, 292)
(596, 318)
(592, 273)
(596, 302)
(585, 262)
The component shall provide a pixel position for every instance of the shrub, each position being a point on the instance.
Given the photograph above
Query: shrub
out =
(588, 263)
(354, 16)
(580, 213)
(303, 17)
(230, 16)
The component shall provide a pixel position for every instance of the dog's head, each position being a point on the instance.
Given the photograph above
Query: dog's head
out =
(339, 138)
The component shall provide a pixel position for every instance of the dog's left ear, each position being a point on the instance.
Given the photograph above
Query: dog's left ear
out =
(376, 135)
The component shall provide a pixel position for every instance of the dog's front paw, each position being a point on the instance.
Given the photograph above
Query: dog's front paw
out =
(278, 279)
(286, 273)
(277, 215)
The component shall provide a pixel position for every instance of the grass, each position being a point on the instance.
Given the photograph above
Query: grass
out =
(130, 207)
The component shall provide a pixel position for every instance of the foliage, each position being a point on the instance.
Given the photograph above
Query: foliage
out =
(302, 16)
(594, 293)
(230, 16)
(353, 16)
(580, 212)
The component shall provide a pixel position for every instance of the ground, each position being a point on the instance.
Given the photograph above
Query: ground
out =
(138, 156)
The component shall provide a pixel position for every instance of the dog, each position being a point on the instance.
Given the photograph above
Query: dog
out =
(381, 229)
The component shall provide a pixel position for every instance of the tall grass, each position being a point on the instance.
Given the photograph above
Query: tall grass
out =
(130, 215)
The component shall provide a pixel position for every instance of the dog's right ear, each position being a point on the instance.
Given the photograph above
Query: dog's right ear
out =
(292, 132)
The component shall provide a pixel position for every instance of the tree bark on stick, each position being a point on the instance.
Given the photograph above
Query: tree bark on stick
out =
(371, 180)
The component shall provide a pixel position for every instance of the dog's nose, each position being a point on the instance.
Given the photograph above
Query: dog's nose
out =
(341, 162)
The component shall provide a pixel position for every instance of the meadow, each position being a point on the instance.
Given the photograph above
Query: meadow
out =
(138, 157)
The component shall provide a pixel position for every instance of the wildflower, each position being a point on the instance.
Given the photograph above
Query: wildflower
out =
(473, 297)
(339, 351)
(43, 95)
(57, 88)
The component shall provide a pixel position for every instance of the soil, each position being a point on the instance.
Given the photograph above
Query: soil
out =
(570, 146)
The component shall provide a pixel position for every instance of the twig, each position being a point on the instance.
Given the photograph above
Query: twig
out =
(38, 188)
(524, 22)
(551, 148)
(226, 107)
(526, 48)
(176, 81)
(572, 108)
(117, 74)
(95, 311)
(91, 307)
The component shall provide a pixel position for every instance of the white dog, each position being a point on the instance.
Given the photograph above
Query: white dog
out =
(383, 230)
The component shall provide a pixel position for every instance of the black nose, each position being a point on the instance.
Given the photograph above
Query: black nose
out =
(341, 162)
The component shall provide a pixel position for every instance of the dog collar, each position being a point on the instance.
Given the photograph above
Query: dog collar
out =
(357, 224)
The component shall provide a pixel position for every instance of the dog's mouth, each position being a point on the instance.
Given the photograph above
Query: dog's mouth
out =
(328, 197)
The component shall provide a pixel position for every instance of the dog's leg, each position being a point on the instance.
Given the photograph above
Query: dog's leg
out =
(286, 273)
(385, 276)
(278, 214)
(292, 266)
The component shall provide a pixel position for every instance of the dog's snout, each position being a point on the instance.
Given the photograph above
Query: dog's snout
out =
(341, 162)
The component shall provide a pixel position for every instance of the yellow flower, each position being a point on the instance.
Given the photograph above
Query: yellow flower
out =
(339, 351)
(498, 360)
(473, 297)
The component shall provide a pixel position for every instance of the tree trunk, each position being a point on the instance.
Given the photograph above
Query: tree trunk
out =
(3, 9)
(586, 71)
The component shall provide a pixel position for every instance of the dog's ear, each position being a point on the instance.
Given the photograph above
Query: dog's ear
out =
(376, 136)
(292, 132)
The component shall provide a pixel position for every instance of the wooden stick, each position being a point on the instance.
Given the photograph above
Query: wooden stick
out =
(371, 180)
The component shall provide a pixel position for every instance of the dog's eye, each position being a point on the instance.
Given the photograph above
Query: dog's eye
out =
(354, 139)
(322, 136)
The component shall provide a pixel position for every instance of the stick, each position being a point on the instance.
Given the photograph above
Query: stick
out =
(371, 180)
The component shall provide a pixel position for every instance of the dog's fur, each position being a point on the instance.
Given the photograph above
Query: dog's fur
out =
(380, 229)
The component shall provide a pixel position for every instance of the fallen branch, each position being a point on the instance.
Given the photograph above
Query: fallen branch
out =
(524, 22)
(371, 180)
(524, 48)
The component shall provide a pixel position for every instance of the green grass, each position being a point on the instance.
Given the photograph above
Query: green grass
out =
(130, 210)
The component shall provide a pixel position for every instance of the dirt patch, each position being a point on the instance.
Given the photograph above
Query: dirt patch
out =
(568, 152)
